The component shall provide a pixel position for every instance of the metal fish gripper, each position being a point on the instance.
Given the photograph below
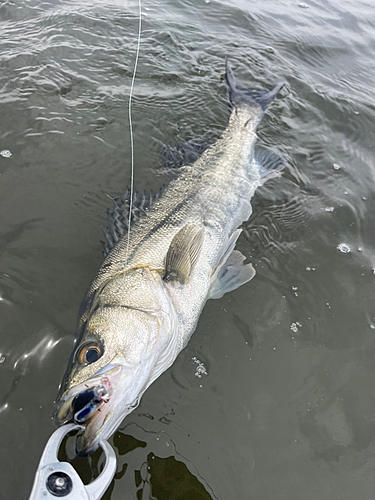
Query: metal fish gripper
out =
(59, 479)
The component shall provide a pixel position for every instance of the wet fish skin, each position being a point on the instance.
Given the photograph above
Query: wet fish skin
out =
(143, 305)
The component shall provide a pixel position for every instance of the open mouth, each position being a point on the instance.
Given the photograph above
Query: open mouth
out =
(89, 404)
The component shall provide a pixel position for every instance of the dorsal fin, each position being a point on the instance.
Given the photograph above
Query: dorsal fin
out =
(182, 154)
(118, 219)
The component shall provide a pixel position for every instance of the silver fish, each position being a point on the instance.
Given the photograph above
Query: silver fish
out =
(143, 305)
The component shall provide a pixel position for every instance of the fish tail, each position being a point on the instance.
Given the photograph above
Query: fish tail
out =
(238, 95)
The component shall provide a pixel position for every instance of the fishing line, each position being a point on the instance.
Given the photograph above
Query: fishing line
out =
(131, 125)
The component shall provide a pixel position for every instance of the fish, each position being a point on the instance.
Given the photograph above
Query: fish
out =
(145, 301)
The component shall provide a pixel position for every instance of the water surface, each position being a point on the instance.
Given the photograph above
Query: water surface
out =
(287, 407)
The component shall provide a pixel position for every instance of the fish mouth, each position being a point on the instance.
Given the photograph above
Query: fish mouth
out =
(89, 405)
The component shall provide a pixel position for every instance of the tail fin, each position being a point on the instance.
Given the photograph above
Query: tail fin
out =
(238, 94)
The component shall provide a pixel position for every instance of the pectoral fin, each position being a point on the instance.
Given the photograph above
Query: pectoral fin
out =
(183, 253)
(231, 272)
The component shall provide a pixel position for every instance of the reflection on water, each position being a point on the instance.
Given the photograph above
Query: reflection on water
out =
(40, 352)
(287, 407)
(164, 478)
(170, 480)
(16, 366)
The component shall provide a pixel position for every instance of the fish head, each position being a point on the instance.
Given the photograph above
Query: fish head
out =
(123, 350)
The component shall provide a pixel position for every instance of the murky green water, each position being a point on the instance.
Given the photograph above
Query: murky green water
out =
(287, 408)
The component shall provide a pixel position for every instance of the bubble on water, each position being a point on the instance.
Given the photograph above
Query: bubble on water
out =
(336, 166)
(200, 368)
(4, 407)
(303, 5)
(295, 288)
(343, 247)
(5, 153)
(294, 326)
(5, 301)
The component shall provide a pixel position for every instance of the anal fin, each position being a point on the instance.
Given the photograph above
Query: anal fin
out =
(269, 163)
(231, 272)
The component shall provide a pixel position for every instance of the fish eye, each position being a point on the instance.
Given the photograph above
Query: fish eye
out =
(89, 353)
